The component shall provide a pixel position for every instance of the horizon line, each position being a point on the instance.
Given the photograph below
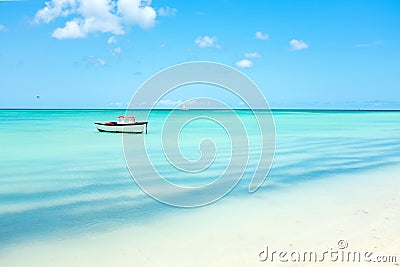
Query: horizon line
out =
(272, 109)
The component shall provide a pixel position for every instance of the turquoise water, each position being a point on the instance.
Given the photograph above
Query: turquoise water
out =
(59, 176)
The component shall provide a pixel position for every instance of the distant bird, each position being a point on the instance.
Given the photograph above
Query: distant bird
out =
(38, 97)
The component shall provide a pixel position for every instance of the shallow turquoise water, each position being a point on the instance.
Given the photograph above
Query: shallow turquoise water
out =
(60, 176)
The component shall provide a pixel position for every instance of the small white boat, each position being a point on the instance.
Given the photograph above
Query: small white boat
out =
(124, 124)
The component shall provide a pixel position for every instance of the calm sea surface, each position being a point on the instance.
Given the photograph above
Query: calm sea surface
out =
(60, 176)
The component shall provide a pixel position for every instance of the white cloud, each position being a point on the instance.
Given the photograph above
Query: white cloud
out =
(100, 62)
(54, 9)
(244, 63)
(132, 12)
(112, 40)
(252, 55)
(262, 36)
(117, 51)
(71, 30)
(96, 62)
(3, 28)
(298, 44)
(90, 16)
(167, 11)
(375, 43)
(206, 41)
(169, 102)
(202, 103)
(117, 104)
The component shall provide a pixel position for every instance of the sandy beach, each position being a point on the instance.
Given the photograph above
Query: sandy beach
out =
(361, 209)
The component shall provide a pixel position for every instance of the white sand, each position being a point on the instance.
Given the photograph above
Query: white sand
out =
(362, 209)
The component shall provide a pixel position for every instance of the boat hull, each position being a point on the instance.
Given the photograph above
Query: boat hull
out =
(127, 128)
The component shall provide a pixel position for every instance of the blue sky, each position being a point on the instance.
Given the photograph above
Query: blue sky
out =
(302, 54)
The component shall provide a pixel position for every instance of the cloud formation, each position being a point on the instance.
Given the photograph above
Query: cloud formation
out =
(90, 16)
(117, 104)
(374, 43)
(116, 51)
(112, 40)
(262, 36)
(206, 41)
(252, 55)
(167, 11)
(169, 102)
(244, 63)
(95, 62)
(298, 44)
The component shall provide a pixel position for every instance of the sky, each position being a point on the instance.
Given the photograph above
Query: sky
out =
(301, 54)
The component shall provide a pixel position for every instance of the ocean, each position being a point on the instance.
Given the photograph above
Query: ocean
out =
(61, 177)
